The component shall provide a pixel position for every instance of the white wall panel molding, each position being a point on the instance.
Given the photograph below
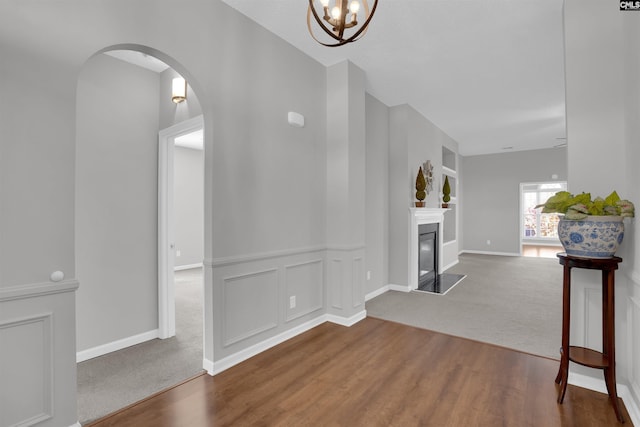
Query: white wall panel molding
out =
(635, 277)
(345, 248)
(240, 259)
(357, 288)
(249, 305)
(633, 331)
(592, 306)
(186, 267)
(34, 290)
(27, 360)
(304, 282)
(335, 282)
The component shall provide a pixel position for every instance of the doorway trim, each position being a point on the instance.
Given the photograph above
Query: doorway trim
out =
(166, 237)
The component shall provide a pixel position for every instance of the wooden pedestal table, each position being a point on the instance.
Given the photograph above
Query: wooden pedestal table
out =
(606, 359)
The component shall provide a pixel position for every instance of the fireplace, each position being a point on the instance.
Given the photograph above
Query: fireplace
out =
(427, 255)
(425, 252)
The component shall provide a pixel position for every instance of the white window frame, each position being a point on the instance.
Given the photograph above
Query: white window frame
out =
(542, 241)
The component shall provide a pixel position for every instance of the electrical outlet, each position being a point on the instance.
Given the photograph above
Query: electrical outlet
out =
(177, 253)
(488, 242)
(368, 274)
(292, 301)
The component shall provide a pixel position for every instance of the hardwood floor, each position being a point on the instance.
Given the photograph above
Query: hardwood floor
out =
(375, 373)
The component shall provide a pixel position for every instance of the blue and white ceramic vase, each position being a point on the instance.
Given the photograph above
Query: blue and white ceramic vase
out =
(592, 237)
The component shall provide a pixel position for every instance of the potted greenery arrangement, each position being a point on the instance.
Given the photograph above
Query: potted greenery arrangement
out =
(446, 193)
(421, 184)
(589, 228)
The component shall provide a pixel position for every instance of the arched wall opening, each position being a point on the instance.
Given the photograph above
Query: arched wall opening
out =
(121, 107)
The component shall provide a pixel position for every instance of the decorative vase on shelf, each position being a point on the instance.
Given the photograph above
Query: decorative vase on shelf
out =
(591, 237)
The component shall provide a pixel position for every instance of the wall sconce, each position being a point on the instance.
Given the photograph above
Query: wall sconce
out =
(178, 90)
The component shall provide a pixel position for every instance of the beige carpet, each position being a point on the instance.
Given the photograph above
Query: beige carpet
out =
(513, 302)
(115, 380)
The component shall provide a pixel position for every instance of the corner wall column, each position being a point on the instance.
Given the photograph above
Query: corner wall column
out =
(345, 192)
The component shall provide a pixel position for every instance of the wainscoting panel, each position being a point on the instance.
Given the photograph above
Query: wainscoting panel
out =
(358, 282)
(335, 282)
(634, 342)
(593, 318)
(305, 283)
(250, 305)
(37, 354)
(26, 367)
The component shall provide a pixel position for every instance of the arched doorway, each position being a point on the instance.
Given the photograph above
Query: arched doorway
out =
(121, 106)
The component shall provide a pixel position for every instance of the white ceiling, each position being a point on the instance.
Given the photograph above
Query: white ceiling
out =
(487, 72)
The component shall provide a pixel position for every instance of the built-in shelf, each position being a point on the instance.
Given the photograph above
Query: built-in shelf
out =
(447, 171)
(448, 159)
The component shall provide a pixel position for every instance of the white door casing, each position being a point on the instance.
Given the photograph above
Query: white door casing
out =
(166, 243)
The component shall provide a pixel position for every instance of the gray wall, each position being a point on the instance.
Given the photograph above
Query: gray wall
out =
(603, 105)
(491, 188)
(116, 201)
(188, 204)
(377, 194)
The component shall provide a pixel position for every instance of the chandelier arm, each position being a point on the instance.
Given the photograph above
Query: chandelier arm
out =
(365, 25)
(319, 21)
(343, 18)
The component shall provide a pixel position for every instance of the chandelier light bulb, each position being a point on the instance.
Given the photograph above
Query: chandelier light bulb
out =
(325, 3)
(354, 7)
(335, 12)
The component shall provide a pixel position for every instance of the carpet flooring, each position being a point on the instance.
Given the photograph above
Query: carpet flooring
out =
(115, 380)
(513, 302)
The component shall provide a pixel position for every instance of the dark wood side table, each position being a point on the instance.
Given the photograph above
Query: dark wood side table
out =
(606, 359)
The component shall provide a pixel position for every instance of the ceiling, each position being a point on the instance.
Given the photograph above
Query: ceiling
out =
(489, 73)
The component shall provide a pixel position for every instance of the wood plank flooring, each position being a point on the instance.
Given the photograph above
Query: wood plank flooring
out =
(375, 373)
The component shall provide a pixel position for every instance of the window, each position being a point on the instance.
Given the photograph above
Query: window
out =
(535, 225)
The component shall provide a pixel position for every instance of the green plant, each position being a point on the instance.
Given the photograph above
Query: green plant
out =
(446, 190)
(580, 206)
(421, 184)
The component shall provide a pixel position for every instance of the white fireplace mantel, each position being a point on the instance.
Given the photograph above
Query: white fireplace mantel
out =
(418, 216)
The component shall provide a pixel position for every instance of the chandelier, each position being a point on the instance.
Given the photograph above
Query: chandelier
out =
(340, 22)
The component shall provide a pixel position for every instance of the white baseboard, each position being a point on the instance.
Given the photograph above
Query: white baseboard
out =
(490, 253)
(346, 321)
(242, 355)
(214, 368)
(399, 288)
(596, 384)
(100, 350)
(187, 266)
(377, 292)
(207, 365)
